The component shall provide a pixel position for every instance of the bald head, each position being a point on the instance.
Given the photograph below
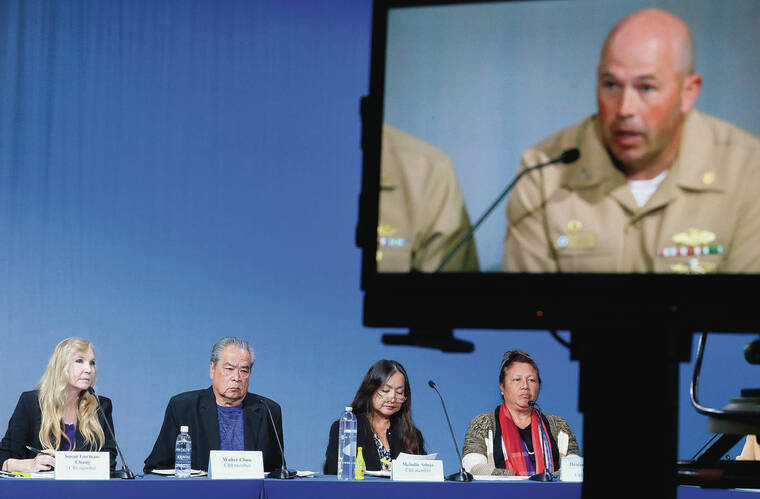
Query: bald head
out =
(655, 27)
(645, 87)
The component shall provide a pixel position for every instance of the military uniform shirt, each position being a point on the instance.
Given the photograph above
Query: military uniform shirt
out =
(704, 217)
(422, 211)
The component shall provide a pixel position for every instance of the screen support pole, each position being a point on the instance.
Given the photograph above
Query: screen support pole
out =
(628, 395)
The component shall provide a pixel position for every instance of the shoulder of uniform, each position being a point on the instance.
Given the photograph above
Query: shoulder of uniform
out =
(722, 131)
(567, 138)
(407, 144)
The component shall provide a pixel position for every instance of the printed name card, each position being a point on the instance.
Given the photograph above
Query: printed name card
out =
(235, 464)
(417, 470)
(79, 465)
(571, 469)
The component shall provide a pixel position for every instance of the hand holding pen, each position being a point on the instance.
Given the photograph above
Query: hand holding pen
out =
(44, 460)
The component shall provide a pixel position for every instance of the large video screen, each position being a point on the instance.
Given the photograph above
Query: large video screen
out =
(668, 175)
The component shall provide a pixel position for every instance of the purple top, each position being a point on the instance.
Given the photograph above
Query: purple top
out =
(71, 432)
(230, 427)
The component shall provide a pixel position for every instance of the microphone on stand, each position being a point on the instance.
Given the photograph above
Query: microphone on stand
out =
(567, 156)
(283, 473)
(462, 475)
(546, 476)
(124, 473)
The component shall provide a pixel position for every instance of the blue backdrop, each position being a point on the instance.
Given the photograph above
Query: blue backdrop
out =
(175, 171)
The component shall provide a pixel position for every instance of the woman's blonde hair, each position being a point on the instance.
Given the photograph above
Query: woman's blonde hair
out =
(52, 397)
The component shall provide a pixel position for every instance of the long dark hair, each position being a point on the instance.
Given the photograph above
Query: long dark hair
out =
(411, 438)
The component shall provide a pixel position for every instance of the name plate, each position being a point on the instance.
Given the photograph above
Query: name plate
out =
(80, 465)
(417, 470)
(235, 464)
(571, 469)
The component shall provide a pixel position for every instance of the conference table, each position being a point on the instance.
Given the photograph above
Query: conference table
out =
(150, 487)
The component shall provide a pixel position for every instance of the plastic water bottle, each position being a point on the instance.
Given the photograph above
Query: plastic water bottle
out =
(347, 446)
(182, 453)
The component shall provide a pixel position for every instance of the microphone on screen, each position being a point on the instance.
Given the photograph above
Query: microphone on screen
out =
(568, 156)
(124, 472)
(546, 476)
(283, 473)
(462, 475)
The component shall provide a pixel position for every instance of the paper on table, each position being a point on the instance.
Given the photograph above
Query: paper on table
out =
(413, 457)
(170, 472)
(43, 474)
(381, 474)
(18, 474)
(305, 474)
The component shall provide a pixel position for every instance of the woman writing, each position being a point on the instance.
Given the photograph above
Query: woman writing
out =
(59, 414)
(515, 438)
(383, 408)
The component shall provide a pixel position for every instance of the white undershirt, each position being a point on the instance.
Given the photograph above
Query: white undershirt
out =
(643, 189)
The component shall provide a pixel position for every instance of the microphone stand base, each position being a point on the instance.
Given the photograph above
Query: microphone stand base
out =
(124, 474)
(461, 476)
(281, 474)
(542, 477)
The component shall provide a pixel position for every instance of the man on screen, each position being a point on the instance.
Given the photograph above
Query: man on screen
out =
(222, 417)
(422, 210)
(659, 187)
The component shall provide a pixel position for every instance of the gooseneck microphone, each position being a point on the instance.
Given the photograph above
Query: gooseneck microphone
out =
(462, 475)
(546, 476)
(283, 473)
(568, 156)
(124, 473)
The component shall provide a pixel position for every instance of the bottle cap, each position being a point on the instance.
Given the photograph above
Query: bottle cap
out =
(183, 429)
(349, 409)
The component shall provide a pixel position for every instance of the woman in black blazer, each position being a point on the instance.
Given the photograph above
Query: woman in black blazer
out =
(59, 414)
(383, 408)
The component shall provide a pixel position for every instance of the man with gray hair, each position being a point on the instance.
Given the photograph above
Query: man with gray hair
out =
(659, 187)
(222, 417)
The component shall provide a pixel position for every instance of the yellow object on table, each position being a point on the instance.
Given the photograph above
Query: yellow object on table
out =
(360, 465)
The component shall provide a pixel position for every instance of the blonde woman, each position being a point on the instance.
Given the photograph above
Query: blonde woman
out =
(59, 414)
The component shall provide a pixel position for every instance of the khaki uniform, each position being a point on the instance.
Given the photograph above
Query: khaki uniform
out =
(422, 212)
(704, 217)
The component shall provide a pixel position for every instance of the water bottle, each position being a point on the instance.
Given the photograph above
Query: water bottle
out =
(182, 453)
(347, 446)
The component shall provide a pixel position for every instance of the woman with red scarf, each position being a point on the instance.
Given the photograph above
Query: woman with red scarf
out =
(515, 438)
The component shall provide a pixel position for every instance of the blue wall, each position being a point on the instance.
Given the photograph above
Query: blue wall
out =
(176, 171)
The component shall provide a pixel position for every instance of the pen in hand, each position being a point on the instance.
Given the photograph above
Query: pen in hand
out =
(38, 451)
